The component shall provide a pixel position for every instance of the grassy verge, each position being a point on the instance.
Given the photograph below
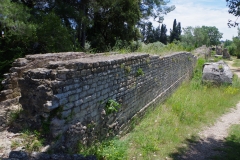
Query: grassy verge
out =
(31, 141)
(164, 130)
(232, 149)
(236, 62)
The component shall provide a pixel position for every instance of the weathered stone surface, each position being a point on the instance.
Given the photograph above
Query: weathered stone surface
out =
(69, 94)
(226, 55)
(218, 51)
(20, 155)
(218, 73)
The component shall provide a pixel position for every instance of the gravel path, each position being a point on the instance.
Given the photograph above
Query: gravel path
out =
(213, 137)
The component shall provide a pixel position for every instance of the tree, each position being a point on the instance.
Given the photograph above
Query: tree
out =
(198, 36)
(148, 33)
(19, 33)
(234, 9)
(236, 42)
(188, 36)
(175, 32)
(213, 34)
(155, 9)
(52, 35)
(163, 35)
(113, 21)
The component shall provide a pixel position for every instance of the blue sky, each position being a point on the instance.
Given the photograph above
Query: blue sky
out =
(201, 12)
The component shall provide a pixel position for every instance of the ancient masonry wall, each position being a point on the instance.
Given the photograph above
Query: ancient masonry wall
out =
(69, 91)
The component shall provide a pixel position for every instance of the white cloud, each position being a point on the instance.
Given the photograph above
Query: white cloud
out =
(199, 13)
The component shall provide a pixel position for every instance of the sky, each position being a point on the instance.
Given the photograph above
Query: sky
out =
(201, 12)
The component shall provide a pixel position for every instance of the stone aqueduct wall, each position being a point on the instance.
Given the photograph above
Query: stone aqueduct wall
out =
(69, 91)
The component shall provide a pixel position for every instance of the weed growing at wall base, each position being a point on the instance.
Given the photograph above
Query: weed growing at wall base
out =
(30, 140)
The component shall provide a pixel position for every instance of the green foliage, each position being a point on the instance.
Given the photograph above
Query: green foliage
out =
(180, 117)
(232, 49)
(175, 33)
(233, 6)
(231, 151)
(127, 69)
(32, 141)
(227, 43)
(198, 36)
(236, 62)
(168, 126)
(163, 34)
(19, 33)
(114, 20)
(107, 149)
(236, 42)
(140, 72)
(161, 49)
(14, 115)
(155, 8)
(112, 106)
(52, 35)
(213, 34)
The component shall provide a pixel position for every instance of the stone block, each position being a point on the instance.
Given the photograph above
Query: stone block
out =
(65, 114)
(63, 101)
(49, 105)
(73, 97)
(68, 106)
(78, 102)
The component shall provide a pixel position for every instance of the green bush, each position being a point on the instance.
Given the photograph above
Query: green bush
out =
(231, 50)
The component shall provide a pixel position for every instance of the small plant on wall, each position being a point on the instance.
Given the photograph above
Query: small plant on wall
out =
(127, 69)
(112, 106)
(140, 72)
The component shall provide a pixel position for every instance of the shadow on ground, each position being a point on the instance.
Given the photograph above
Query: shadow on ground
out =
(209, 149)
(236, 70)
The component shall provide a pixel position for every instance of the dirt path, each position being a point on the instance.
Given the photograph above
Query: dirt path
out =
(213, 137)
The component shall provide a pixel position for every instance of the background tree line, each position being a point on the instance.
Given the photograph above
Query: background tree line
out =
(42, 26)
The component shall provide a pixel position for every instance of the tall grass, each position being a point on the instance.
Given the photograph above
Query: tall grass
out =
(151, 48)
(161, 49)
(162, 131)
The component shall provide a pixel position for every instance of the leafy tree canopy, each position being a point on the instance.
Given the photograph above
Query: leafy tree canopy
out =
(198, 36)
(234, 9)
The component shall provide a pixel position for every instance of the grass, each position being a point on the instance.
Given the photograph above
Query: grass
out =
(31, 141)
(152, 48)
(113, 149)
(236, 62)
(232, 149)
(179, 119)
(162, 132)
(161, 49)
